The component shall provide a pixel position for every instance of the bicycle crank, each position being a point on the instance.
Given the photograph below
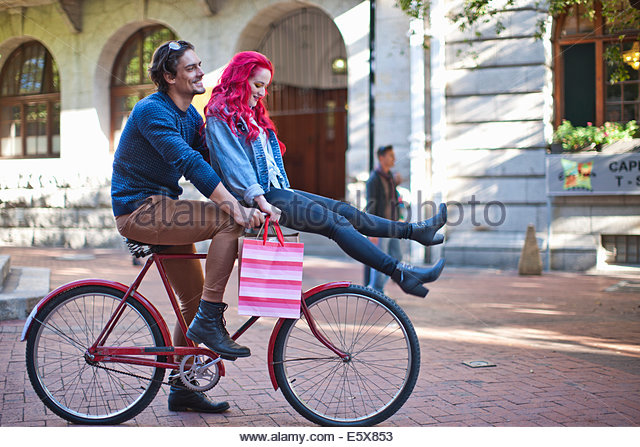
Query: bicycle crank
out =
(202, 374)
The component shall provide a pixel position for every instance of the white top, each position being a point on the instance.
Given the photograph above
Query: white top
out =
(276, 179)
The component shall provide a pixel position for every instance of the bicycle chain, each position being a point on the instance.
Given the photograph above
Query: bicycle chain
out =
(139, 377)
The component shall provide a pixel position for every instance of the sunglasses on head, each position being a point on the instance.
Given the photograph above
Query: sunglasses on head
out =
(173, 46)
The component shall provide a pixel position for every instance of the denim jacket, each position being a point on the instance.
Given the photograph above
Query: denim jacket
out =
(242, 166)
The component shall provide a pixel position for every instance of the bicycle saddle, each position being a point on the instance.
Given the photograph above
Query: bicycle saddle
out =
(141, 249)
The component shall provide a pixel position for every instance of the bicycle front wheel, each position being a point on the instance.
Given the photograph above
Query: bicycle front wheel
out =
(67, 381)
(363, 390)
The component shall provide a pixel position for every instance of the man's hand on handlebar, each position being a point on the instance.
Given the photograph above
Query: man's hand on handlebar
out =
(249, 217)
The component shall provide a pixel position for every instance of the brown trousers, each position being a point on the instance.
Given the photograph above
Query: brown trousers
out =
(161, 220)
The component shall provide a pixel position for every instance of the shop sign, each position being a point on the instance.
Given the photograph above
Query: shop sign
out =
(593, 174)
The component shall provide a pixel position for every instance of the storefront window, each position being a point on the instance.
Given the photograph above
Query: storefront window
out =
(583, 92)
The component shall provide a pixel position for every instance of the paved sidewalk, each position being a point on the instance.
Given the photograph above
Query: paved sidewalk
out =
(566, 349)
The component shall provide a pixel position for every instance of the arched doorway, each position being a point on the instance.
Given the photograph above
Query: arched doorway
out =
(308, 99)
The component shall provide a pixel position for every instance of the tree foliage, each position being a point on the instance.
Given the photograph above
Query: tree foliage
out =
(621, 18)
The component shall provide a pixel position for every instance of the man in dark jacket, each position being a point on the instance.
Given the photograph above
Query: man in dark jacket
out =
(382, 200)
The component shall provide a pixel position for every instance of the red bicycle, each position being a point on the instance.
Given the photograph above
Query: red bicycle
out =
(97, 351)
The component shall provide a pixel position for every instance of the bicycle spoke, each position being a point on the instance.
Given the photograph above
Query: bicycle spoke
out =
(63, 378)
(63, 335)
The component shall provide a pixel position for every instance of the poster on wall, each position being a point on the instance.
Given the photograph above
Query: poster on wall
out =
(593, 174)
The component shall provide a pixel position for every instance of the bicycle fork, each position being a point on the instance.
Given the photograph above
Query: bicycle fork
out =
(313, 327)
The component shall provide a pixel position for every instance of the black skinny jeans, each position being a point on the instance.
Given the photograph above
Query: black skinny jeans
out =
(341, 222)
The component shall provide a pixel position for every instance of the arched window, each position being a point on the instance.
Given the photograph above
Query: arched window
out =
(583, 92)
(29, 104)
(129, 80)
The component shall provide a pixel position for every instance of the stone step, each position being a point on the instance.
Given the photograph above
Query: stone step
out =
(22, 289)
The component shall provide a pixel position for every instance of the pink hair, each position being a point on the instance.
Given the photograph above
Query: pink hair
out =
(229, 99)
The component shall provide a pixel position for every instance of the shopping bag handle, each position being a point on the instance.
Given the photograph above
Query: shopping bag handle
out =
(276, 225)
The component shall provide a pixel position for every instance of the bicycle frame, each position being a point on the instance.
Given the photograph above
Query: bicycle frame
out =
(99, 352)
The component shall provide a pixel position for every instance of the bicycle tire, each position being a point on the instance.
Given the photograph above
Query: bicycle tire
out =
(368, 388)
(71, 386)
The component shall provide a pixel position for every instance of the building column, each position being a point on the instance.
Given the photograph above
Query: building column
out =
(438, 83)
(417, 136)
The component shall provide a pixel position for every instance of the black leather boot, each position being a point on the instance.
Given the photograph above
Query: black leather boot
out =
(411, 278)
(208, 327)
(425, 231)
(183, 399)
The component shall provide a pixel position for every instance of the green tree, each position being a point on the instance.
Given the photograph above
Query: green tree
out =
(622, 18)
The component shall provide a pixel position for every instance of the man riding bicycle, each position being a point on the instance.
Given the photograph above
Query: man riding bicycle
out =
(160, 143)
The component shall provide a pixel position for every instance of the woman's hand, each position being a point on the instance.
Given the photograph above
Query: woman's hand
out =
(273, 212)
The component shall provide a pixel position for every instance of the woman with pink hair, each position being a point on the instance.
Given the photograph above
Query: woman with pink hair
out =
(247, 155)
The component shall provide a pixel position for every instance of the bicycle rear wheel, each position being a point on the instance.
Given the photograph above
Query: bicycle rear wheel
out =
(73, 387)
(369, 387)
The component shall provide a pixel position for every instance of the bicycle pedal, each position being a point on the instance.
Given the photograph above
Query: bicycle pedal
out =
(228, 357)
(174, 379)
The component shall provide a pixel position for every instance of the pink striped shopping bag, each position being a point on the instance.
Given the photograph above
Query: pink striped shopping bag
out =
(270, 282)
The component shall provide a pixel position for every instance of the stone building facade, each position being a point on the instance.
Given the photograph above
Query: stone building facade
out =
(64, 200)
(500, 105)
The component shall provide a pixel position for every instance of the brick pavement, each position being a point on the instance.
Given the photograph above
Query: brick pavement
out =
(567, 352)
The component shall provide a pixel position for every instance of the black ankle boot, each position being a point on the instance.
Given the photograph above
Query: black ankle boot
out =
(425, 231)
(208, 327)
(183, 399)
(411, 278)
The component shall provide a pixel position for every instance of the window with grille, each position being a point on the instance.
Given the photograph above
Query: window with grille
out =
(625, 248)
(129, 78)
(29, 104)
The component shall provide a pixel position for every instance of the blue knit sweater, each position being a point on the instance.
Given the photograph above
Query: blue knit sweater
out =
(160, 144)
